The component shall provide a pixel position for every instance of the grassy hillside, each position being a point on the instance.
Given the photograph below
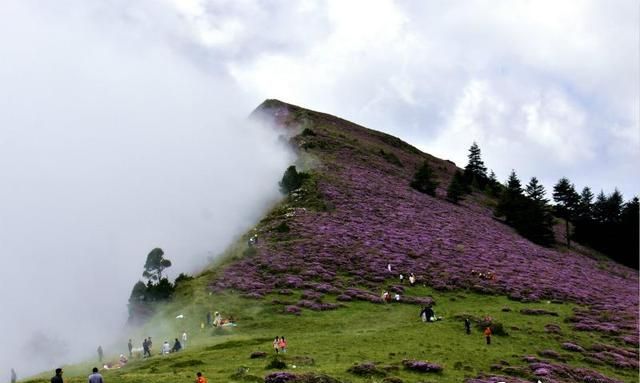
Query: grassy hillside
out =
(320, 265)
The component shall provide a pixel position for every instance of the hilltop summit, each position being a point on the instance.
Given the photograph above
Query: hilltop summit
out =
(356, 216)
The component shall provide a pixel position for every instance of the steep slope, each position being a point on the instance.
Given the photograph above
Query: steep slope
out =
(357, 214)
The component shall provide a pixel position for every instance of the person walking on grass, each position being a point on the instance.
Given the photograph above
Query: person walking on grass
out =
(100, 354)
(130, 347)
(276, 344)
(467, 326)
(14, 377)
(184, 339)
(95, 377)
(487, 334)
(57, 377)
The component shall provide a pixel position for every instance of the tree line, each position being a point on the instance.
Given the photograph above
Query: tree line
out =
(607, 224)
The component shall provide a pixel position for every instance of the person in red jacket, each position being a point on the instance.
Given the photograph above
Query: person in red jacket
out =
(487, 334)
(200, 378)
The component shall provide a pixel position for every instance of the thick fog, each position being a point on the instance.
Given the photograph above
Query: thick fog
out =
(112, 142)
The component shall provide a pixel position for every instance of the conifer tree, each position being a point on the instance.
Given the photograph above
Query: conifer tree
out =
(510, 200)
(585, 205)
(456, 188)
(423, 180)
(614, 207)
(566, 198)
(535, 191)
(475, 172)
(493, 186)
(600, 208)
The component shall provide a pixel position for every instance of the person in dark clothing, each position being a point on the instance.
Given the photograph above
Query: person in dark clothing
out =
(426, 314)
(145, 348)
(130, 346)
(100, 354)
(176, 346)
(14, 377)
(58, 377)
(209, 318)
(467, 326)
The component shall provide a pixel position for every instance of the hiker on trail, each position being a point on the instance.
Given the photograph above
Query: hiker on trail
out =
(149, 344)
(389, 267)
(276, 342)
(130, 347)
(412, 279)
(58, 377)
(467, 326)
(386, 297)
(166, 348)
(176, 346)
(123, 360)
(282, 345)
(14, 377)
(95, 377)
(208, 318)
(184, 339)
(396, 297)
(401, 279)
(200, 378)
(100, 354)
(487, 334)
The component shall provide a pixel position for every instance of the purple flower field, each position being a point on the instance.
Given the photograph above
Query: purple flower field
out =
(377, 220)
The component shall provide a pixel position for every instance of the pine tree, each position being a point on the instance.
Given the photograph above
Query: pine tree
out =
(510, 200)
(535, 191)
(475, 172)
(423, 180)
(585, 205)
(291, 180)
(493, 186)
(456, 188)
(614, 207)
(566, 198)
(600, 208)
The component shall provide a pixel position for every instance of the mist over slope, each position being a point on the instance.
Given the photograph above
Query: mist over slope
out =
(112, 143)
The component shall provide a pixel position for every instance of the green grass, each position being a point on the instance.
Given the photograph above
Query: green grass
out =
(331, 342)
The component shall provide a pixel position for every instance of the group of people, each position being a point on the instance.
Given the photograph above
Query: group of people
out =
(218, 321)
(96, 377)
(280, 345)
(488, 276)
(412, 279)
(386, 297)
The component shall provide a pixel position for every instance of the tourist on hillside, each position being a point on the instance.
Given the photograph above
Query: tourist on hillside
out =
(412, 279)
(184, 339)
(149, 344)
(166, 348)
(217, 321)
(130, 347)
(386, 297)
(396, 297)
(401, 279)
(389, 267)
(276, 344)
(487, 334)
(145, 348)
(208, 318)
(57, 378)
(100, 354)
(95, 377)
(282, 344)
(467, 326)
(200, 378)
(14, 376)
(427, 314)
(123, 360)
(176, 346)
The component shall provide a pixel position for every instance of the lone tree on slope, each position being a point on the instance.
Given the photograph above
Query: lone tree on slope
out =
(155, 264)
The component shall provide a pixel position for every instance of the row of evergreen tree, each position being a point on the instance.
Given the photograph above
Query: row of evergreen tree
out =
(607, 224)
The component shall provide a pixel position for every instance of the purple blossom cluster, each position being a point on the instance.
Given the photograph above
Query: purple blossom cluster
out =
(421, 366)
(280, 377)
